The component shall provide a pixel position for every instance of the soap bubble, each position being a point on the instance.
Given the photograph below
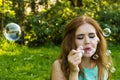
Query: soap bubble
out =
(112, 69)
(12, 32)
(92, 51)
(95, 56)
(108, 52)
(81, 50)
(109, 65)
(106, 32)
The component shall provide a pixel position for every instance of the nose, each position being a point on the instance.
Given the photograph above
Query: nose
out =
(87, 40)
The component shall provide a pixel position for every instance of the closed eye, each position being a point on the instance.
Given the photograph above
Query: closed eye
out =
(91, 35)
(80, 36)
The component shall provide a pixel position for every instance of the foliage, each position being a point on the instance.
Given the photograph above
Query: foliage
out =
(47, 26)
(6, 10)
(106, 14)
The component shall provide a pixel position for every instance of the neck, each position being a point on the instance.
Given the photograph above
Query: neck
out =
(88, 63)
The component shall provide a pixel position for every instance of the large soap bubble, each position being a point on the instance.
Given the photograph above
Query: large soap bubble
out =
(12, 32)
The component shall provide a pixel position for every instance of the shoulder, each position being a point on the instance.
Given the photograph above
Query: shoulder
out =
(56, 63)
(56, 66)
(57, 73)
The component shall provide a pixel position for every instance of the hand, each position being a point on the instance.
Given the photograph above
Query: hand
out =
(74, 59)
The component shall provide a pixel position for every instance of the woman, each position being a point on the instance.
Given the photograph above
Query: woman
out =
(83, 55)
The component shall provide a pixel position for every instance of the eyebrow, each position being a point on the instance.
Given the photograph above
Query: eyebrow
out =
(84, 34)
(80, 34)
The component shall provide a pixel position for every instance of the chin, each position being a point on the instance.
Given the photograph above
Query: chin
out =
(87, 56)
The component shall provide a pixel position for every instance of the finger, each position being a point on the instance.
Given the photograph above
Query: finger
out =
(77, 58)
(77, 62)
(75, 54)
(72, 52)
(74, 57)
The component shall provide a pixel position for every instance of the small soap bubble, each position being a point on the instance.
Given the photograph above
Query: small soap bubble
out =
(112, 70)
(12, 32)
(95, 57)
(92, 51)
(108, 52)
(109, 65)
(80, 48)
(82, 51)
(106, 32)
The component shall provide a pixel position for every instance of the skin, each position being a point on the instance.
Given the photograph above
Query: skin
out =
(87, 38)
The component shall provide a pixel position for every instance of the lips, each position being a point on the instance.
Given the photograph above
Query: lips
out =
(87, 50)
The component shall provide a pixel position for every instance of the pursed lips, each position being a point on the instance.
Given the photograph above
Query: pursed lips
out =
(87, 49)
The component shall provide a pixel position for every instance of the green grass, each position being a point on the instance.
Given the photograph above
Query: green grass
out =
(22, 63)
(115, 49)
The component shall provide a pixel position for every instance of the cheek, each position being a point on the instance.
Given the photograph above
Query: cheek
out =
(78, 42)
(95, 42)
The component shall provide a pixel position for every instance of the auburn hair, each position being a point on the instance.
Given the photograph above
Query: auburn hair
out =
(68, 44)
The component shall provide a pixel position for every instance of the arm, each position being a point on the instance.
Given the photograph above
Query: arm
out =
(73, 76)
(57, 73)
(74, 59)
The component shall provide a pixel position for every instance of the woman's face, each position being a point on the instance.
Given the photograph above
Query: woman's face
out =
(87, 38)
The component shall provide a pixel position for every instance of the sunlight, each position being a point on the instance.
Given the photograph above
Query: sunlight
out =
(28, 10)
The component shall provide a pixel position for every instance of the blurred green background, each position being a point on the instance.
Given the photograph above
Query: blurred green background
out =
(42, 23)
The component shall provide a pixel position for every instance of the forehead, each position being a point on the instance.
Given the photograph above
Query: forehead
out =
(85, 28)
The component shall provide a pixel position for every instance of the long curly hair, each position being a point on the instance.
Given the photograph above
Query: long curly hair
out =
(68, 44)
